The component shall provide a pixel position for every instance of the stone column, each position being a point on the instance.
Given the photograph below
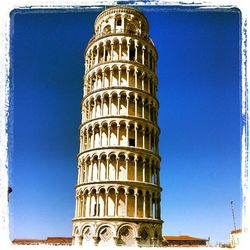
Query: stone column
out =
(108, 134)
(89, 106)
(76, 208)
(127, 134)
(100, 131)
(87, 139)
(150, 205)
(123, 23)
(143, 138)
(148, 59)
(97, 55)
(97, 204)
(111, 78)
(127, 105)
(104, 52)
(92, 139)
(136, 169)
(128, 70)
(116, 203)
(126, 203)
(120, 51)
(143, 54)
(102, 105)
(149, 140)
(127, 160)
(117, 169)
(136, 134)
(98, 169)
(119, 77)
(106, 204)
(150, 171)
(111, 51)
(92, 165)
(107, 169)
(136, 203)
(149, 111)
(155, 176)
(143, 108)
(78, 179)
(81, 206)
(103, 79)
(144, 204)
(95, 107)
(136, 104)
(89, 196)
(128, 50)
(136, 50)
(110, 103)
(118, 104)
(118, 135)
(135, 73)
(143, 171)
(87, 172)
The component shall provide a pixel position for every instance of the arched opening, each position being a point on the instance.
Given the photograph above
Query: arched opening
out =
(131, 168)
(122, 168)
(111, 202)
(139, 169)
(95, 169)
(140, 204)
(113, 134)
(105, 135)
(116, 49)
(123, 104)
(106, 105)
(131, 203)
(124, 49)
(102, 200)
(107, 29)
(121, 202)
(114, 104)
(93, 209)
(103, 167)
(112, 164)
(123, 139)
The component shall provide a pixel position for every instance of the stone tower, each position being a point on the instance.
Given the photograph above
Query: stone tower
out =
(118, 188)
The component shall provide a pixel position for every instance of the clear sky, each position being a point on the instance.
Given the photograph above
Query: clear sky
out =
(199, 94)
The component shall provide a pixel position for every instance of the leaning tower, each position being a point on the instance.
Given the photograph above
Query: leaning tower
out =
(118, 187)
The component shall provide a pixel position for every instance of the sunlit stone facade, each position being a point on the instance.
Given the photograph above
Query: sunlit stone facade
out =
(118, 187)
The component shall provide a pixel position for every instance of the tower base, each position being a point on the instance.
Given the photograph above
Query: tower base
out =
(116, 233)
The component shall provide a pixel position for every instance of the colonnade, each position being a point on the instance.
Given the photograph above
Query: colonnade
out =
(127, 103)
(124, 167)
(118, 48)
(119, 133)
(118, 74)
(116, 202)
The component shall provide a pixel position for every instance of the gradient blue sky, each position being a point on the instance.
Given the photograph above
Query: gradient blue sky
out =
(199, 94)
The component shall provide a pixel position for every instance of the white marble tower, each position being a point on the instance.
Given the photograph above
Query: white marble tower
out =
(118, 187)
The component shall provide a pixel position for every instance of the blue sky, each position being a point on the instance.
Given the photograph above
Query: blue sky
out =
(199, 94)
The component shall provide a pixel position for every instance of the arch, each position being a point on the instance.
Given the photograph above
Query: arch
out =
(121, 202)
(87, 234)
(102, 202)
(107, 29)
(111, 202)
(131, 203)
(105, 234)
(126, 234)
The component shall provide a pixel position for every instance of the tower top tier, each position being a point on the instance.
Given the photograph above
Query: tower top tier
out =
(121, 19)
